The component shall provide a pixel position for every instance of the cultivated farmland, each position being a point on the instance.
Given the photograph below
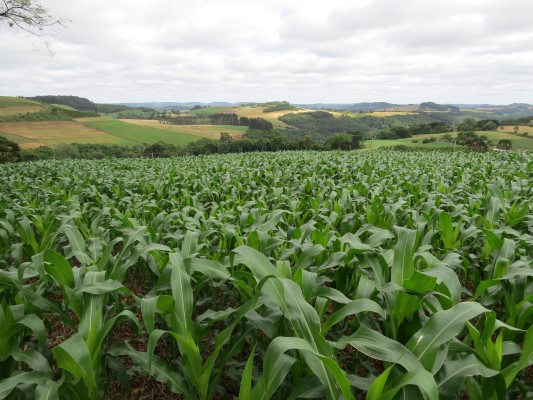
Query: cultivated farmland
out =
(269, 276)
(51, 133)
(14, 105)
(257, 112)
(139, 134)
(208, 131)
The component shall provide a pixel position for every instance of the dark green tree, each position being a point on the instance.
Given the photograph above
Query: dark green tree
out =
(9, 151)
(465, 138)
(504, 144)
(341, 141)
(468, 124)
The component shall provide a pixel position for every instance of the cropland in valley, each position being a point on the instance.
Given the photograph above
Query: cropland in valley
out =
(50, 133)
(208, 131)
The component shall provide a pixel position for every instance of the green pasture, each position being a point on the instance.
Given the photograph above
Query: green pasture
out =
(141, 134)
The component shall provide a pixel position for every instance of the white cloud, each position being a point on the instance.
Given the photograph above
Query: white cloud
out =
(313, 51)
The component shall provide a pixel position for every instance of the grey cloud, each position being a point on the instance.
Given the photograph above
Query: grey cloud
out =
(339, 51)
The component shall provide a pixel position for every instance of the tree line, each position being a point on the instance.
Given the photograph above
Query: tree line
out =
(79, 103)
(253, 140)
(322, 124)
(48, 114)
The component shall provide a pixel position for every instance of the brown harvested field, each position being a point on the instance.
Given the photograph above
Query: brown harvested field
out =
(5, 111)
(21, 141)
(257, 112)
(50, 133)
(208, 131)
(379, 114)
(413, 107)
(521, 129)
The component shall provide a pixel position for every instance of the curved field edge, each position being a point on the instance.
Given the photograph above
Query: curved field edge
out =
(139, 133)
(208, 131)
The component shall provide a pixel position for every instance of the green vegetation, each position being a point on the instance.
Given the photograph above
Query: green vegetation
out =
(78, 103)
(431, 106)
(317, 130)
(7, 101)
(63, 107)
(48, 114)
(448, 140)
(321, 124)
(269, 276)
(279, 106)
(9, 151)
(209, 131)
(141, 134)
(124, 112)
(504, 144)
(200, 119)
(131, 114)
(209, 110)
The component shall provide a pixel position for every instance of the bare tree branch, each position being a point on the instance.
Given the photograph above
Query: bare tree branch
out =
(29, 16)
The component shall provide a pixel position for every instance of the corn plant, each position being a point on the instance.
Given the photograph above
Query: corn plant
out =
(328, 275)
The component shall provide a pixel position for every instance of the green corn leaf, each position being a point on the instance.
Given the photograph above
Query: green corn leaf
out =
(379, 347)
(375, 391)
(193, 365)
(246, 382)
(526, 359)
(454, 372)
(32, 358)
(441, 328)
(447, 233)
(332, 294)
(182, 293)
(73, 356)
(36, 325)
(448, 278)
(308, 388)
(307, 258)
(210, 268)
(491, 217)
(403, 265)
(24, 378)
(26, 233)
(189, 245)
(59, 268)
(420, 378)
(149, 309)
(353, 308)
(101, 287)
(273, 363)
(101, 334)
(77, 244)
(48, 390)
(158, 369)
(256, 261)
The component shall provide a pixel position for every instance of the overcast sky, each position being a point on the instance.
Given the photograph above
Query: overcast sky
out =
(335, 51)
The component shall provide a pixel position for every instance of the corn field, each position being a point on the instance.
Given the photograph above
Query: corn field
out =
(378, 275)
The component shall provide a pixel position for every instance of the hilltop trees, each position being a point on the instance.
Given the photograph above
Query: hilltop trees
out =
(28, 15)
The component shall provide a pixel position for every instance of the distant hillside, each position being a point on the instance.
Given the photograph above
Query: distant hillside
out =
(180, 105)
(78, 103)
(8, 101)
(364, 106)
(431, 106)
